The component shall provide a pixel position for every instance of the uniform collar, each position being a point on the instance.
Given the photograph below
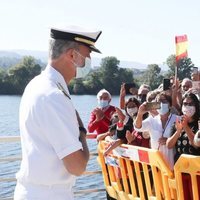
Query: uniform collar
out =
(55, 76)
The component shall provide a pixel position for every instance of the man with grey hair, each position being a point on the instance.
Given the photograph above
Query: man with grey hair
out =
(186, 85)
(53, 138)
(100, 117)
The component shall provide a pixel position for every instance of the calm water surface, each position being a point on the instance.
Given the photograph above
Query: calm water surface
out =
(9, 109)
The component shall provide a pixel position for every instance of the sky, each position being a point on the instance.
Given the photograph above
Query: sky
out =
(134, 30)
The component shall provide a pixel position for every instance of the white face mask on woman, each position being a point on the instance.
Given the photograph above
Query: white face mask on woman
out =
(82, 70)
(164, 108)
(132, 111)
(188, 110)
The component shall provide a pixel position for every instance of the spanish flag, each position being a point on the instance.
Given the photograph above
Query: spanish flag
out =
(181, 47)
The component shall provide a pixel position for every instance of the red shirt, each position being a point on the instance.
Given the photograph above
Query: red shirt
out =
(102, 125)
(140, 140)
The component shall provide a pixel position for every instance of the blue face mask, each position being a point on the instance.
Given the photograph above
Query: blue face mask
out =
(103, 103)
(164, 108)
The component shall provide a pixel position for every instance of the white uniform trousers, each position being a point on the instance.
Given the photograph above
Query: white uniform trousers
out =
(24, 191)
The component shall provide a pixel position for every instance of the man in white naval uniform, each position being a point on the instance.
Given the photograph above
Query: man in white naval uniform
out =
(53, 139)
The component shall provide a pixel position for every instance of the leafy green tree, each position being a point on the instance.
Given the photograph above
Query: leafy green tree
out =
(112, 76)
(171, 62)
(93, 83)
(23, 72)
(108, 76)
(78, 87)
(184, 67)
(152, 76)
(2, 80)
(2, 74)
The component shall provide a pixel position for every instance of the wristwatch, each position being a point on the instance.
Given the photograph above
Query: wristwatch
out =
(82, 129)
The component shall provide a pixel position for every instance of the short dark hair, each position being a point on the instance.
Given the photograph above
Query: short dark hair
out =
(134, 100)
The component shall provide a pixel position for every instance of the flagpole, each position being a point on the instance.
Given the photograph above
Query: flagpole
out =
(176, 71)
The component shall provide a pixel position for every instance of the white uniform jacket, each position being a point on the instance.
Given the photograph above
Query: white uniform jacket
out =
(49, 132)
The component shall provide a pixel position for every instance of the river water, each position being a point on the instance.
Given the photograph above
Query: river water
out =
(9, 107)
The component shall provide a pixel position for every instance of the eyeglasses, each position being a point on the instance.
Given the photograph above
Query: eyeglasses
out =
(188, 104)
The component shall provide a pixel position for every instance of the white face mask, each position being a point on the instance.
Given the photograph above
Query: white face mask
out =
(164, 108)
(132, 111)
(103, 103)
(188, 110)
(82, 70)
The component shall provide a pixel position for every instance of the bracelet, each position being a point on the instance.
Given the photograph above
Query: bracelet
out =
(82, 129)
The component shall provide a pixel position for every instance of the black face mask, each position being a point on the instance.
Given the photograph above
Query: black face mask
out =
(142, 98)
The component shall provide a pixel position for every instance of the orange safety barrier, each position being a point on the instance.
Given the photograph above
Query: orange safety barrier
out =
(187, 175)
(132, 172)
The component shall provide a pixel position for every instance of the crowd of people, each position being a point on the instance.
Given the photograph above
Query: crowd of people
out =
(53, 136)
(165, 120)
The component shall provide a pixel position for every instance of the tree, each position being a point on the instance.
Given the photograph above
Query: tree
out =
(108, 76)
(93, 83)
(184, 67)
(78, 87)
(3, 81)
(111, 76)
(171, 62)
(2, 74)
(23, 72)
(152, 76)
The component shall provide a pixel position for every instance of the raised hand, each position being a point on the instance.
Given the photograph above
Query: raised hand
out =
(122, 90)
(99, 114)
(179, 125)
(185, 121)
(120, 114)
(142, 109)
(130, 136)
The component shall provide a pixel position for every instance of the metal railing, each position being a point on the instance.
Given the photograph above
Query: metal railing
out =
(9, 139)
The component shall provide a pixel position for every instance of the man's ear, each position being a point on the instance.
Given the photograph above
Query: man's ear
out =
(73, 53)
(69, 54)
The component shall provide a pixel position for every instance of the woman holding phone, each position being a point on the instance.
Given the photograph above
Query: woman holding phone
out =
(158, 126)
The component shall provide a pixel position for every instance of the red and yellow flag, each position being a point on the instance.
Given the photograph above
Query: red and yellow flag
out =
(181, 47)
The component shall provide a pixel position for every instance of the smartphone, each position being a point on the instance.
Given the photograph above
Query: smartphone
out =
(152, 106)
(166, 83)
(195, 70)
(129, 86)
